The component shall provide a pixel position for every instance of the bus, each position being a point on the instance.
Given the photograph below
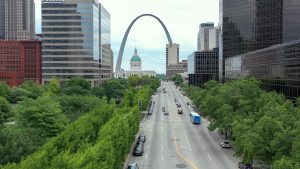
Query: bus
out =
(195, 118)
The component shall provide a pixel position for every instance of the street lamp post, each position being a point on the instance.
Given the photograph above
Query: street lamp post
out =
(140, 104)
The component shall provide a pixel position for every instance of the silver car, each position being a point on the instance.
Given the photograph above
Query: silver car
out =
(133, 166)
(225, 144)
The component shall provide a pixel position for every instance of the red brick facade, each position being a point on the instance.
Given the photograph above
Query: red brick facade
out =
(19, 61)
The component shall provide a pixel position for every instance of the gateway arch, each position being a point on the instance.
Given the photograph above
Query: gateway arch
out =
(120, 56)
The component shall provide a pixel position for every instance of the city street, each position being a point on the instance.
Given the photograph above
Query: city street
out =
(174, 142)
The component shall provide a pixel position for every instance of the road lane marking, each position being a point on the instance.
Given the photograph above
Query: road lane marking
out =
(203, 147)
(162, 157)
(184, 147)
(182, 156)
(148, 146)
(146, 156)
(187, 140)
(196, 134)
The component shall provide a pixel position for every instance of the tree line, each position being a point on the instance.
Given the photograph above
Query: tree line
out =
(70, 124)
(263, 126)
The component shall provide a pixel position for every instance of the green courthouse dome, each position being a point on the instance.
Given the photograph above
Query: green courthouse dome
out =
(135, 57)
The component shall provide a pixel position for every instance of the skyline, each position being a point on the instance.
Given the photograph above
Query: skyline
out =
(151, 45)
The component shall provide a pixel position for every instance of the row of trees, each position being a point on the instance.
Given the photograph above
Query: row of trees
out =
(32, 121)
(264, 126)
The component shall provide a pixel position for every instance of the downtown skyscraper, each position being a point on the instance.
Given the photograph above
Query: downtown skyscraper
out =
(72, 40)
(20, 53)
(17, 19)
(106, 59)
(261, 39)
(208, 37)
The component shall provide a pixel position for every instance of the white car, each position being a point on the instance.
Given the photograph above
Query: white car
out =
(225, 144)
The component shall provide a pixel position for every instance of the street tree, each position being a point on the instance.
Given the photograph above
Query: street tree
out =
(4, 90)
(43, 114)
(5, 110)
(177, 79)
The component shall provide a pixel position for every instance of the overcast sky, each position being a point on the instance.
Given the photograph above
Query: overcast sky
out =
(181, 17)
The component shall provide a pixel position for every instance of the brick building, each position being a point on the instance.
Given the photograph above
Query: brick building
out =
(19, 61)
(173, 69)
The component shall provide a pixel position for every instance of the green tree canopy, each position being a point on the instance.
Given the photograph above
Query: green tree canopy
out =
(19, 94)
(177, 79)
(5, 110)
(76, 86)
(53, 88)
(4, 90)
(43, 114)
(75, 106)
(17, 142)
(35, 89)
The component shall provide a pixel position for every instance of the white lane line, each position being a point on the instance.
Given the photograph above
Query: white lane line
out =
(162, 147)
(187, 140)
(184, 147)
(203, 147)
(196, 134)
(209, 157)
(148, 146)
(162, 157)
(146, 156)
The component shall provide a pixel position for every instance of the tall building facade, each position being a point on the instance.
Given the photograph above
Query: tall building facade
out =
(208, 37)
(2, 20)
(17, 19)
(172, 57)
(71, 40)
(203, 66)
(172, 54)
(251, 25)
(179, 68)
(106, 59)
(278, 68)
(260, 39)
(19, 61)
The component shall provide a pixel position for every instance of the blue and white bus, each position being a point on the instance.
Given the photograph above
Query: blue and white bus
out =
(195, 118)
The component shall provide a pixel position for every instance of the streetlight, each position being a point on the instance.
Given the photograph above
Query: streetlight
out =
(140, 104)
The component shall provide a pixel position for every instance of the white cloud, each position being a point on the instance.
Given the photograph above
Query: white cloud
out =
(181, 17)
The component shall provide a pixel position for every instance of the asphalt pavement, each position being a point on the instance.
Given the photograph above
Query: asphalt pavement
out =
(174, 142)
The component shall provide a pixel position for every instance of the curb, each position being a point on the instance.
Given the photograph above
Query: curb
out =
(126, 163)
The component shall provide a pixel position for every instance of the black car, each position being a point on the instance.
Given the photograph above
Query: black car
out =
(245, 166)
(138, 150)
(142, 138)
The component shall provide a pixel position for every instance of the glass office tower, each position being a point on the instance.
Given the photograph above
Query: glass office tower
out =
(278, 68)
(71, 40)
(255, 24)
(250, 29)
(2, 20)
(203, 66)
(105, 40)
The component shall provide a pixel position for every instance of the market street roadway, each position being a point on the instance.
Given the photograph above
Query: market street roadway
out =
(174, 142)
